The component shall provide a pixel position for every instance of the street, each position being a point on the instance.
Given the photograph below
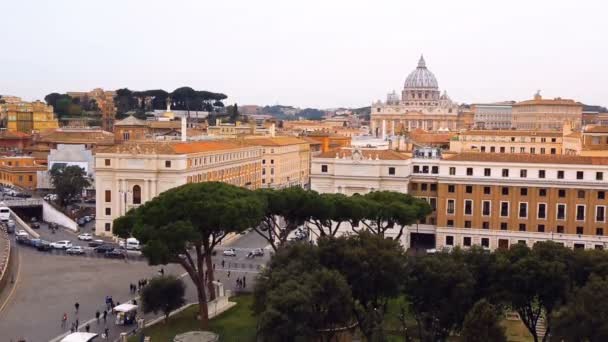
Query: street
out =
(49, 284)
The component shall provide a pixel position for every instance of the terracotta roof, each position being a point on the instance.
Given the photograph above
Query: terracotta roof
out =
(553, 102)
(596, 129)
(171, 147)
(367, 154)
(164, 124)
(130, 121)
(274, 141)
(6, 134)
(513, 133)
(527, 158)
(311, 140)
(422, 136)
(74, 136)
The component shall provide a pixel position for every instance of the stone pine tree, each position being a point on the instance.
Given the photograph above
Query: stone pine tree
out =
(183, 225)
(163, 294)
(68, 181)
(482, 324)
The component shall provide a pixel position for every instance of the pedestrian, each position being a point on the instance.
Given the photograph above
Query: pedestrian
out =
(107, 333)
(134, 302)
(228, 274)
(223, 263)
(213, 266)
(97, 314)
(244, 282)
(87, 327)
(76, 305)
(76, 324)
(64, 320)
(72, 328)
(105, 315)
(161, 271)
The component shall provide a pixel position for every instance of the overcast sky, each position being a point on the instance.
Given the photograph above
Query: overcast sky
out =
(310, 53)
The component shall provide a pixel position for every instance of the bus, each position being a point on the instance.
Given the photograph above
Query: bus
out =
(5, 212)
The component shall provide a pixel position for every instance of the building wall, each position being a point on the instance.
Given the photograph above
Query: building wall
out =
(542, 114)
(19, 171)
(28, 116)
(535, 186)
(491, 116)
(118, 175)
(508, 142)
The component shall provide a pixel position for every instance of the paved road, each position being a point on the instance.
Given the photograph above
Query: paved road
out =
(49, 285)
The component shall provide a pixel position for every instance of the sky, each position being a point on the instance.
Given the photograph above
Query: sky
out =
(322, 54)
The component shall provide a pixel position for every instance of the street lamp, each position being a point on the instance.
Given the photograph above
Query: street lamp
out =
(124, 194)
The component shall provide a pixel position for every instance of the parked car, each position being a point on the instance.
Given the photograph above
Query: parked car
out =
(44, 246)
(130, 244)
(90, 200)
(85, 237)
(115, 254)
(10, 224)
(53, 225)
(10, 229)
(62, 244)
(75, 250)
(229, 252)
(105, 248)
(50, 197)
(22, 239)
(22, 195)
(96, 243)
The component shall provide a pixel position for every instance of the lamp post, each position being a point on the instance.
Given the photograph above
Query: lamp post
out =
(124, 194)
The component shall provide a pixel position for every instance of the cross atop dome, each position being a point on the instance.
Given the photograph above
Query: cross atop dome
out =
(421, 62)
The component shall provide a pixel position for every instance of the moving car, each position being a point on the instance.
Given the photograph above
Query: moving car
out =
(75, 250)
(22, 232)
(88, 218)
(258, 252)
(81, 221)
(43, 246)
(229, 252)
(85, 237)
(80, 337)
(50, 197)
(35, 225)
(96, 243)
(22, 239)
(5, 213)
(132, 244)
(105, 248)
(62, 244)
(115, 254)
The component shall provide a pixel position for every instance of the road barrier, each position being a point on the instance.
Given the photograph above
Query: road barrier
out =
(5, 258)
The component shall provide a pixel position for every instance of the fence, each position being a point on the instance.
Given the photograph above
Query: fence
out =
(5, 258)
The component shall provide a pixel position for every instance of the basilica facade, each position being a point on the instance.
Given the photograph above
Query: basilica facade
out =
(420, 106)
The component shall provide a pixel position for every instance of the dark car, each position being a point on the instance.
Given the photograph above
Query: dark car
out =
(43, 245)
(35, 225)
(22, 239)
(105, 248)
(81, 221)
(22, 195)
(115, 254)
(96, 243)
(53, 225)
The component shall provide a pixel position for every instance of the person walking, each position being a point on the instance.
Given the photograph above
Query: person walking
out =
(76, 306)
(228, 274)
(223, 263)
(64, 320)
(105, 315)
(244, 282)
(106, 332)
(97, 314)
(87, 327)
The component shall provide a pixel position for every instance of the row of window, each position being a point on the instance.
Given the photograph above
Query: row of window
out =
(522, 212)
(542, 192)
(425, 169)
(522, 227)
(512, 139)
(504, 243)
(523, 173)
(512, 149)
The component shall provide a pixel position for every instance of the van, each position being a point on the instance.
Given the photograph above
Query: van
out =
(132, 244)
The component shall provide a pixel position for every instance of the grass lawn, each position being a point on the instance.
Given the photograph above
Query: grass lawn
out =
(236, 324)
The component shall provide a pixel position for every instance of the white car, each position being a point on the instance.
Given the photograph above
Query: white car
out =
(230, 252)
(85, 237)
(75, 250)
(22, 232)
(62, 244)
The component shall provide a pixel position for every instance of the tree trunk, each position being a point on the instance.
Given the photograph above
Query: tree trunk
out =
(203, 309)
(210, 277)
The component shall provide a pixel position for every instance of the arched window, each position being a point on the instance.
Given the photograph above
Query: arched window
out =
(136, 194)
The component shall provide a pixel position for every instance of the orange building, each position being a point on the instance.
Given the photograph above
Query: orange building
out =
(329, 141)
(19, 171)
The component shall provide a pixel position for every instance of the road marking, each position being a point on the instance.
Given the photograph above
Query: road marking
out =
(10, 295)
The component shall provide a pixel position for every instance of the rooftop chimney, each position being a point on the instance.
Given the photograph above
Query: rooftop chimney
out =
(184, 128)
